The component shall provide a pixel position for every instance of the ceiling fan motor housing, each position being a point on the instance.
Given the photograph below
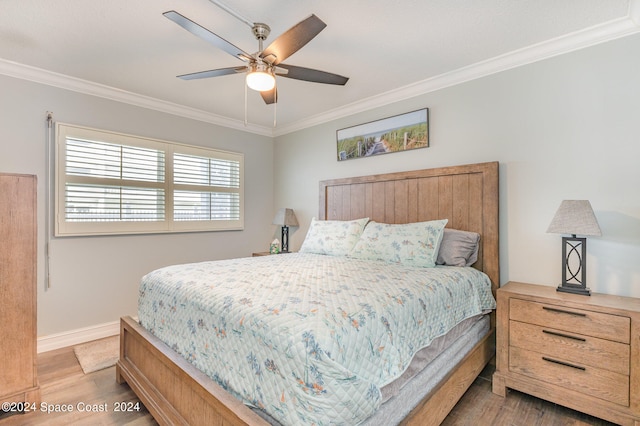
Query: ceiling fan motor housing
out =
(261, 31)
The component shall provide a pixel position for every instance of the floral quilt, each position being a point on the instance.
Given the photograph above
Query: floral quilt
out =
(308, 338)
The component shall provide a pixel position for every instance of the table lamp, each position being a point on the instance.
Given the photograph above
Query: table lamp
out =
(574, 217)
(285, 218)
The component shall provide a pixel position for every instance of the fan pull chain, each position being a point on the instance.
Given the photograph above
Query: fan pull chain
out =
(275, 115)
(275, 104)
(246, 120)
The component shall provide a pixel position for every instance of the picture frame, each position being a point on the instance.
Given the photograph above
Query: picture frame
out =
(397, 133)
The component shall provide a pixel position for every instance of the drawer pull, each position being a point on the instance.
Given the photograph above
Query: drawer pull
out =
(555, 361)
(562, 311)
(553, 333)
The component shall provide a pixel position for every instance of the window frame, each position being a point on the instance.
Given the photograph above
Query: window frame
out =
(121, 227)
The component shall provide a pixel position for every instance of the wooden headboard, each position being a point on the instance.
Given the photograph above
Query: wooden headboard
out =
(466, 195)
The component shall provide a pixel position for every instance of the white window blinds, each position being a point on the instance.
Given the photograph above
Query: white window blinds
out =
(206, 188)
(109, 183)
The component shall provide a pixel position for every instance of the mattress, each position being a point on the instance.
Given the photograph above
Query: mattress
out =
(393, 411)
(310, 339)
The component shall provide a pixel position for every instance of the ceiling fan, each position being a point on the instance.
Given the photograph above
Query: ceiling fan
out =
(262, 67)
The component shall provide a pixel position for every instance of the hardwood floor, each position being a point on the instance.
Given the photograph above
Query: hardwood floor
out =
(480, 406)
(63, 383)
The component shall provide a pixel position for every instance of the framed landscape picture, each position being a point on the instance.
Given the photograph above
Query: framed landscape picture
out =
(393, 134)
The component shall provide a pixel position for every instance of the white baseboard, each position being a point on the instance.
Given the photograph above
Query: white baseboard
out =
(78, 336)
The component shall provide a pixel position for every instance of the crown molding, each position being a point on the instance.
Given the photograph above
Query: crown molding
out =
(61, 81)
(578, 40)
(611, 30)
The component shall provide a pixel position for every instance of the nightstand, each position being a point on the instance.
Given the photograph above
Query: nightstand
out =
(582, 352)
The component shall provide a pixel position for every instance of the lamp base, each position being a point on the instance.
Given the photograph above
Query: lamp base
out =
(574, 266)
(285, 239)
(575, 289)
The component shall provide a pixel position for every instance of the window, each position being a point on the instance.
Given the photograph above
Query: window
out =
(110, 183)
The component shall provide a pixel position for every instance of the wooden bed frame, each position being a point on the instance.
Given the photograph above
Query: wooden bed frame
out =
(177, 393)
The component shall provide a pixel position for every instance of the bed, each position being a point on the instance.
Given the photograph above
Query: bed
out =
(176, 392)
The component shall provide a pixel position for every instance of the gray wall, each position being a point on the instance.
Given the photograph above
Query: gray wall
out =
(94, 280)
(563, 128)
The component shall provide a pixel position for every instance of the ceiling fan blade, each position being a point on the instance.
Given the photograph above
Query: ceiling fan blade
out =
(207, 35)
(292, 40)
(314, 76)
(270, 96)
(212, 73)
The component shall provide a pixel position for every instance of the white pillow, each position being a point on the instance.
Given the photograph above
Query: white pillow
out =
(332, 237)
(411, 244)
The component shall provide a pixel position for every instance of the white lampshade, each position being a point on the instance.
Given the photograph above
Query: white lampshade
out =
(575, 217)
(260, 81)
(285, 217)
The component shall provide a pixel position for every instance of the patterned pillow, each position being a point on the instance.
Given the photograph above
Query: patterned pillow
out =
(332, 237)
(411, 244)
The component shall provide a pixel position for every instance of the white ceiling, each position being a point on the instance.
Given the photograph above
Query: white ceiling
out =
(390, 49)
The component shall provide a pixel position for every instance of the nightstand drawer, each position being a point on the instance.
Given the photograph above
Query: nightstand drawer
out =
(559, 344)
(570, 374)
(596, 324)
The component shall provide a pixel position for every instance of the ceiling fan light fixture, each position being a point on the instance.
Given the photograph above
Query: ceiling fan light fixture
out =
(260, 81)
(261, 67)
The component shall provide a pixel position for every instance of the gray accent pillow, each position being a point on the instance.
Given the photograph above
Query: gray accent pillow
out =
(458, 248)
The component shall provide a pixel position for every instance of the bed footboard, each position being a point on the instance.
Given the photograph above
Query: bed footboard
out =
(173, 390)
